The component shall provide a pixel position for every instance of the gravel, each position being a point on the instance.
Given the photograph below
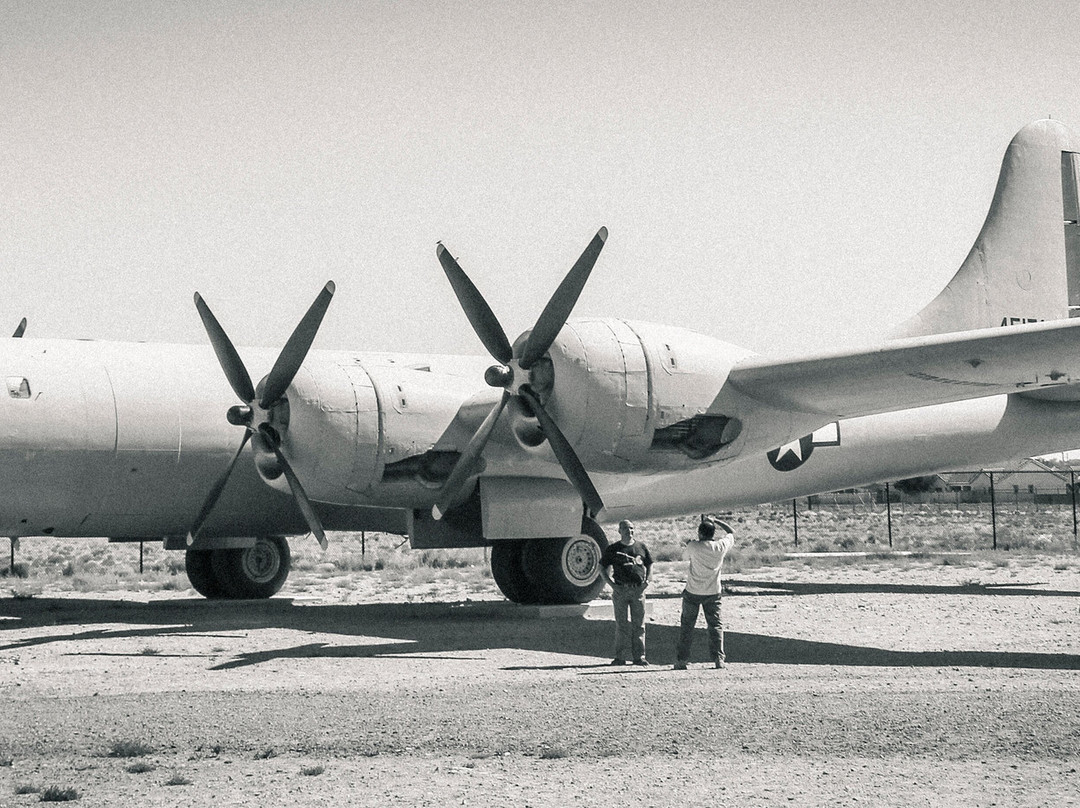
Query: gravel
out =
(878, 683)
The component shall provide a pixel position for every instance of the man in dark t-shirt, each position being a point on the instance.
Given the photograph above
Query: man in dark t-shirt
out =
(627, 566)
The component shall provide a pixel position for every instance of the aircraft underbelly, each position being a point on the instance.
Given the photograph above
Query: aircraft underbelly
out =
(891, 446)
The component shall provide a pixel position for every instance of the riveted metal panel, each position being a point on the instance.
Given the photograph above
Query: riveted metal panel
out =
(636, 374)
(528, 508)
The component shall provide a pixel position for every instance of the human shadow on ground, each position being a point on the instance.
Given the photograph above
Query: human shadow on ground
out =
(444, 631)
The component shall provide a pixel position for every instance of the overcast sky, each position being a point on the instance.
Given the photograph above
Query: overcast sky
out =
(781, 175)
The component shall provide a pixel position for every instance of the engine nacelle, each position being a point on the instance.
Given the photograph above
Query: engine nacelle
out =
(331, 431)
(638, 397)
(374, 433)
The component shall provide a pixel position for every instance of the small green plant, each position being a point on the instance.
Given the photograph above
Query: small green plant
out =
(266, 753)
(149, 651)
(178, 780)
(312, 771)
(140, 767)
(58, 794)
(554, 753)
(129, 749)
(26, 788)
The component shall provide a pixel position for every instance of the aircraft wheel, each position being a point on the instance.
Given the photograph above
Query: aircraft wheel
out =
(509, 575)
(253, 572)
(567, 570)
(200, 572)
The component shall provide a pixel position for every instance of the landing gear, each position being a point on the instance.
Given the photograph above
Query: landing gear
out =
(509, 573)
(559, 570)
(200, 571)
(250, 572)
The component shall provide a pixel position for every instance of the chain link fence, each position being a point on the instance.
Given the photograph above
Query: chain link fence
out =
(959, 511)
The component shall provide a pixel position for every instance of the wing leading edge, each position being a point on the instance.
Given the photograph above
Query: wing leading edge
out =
(916, 372)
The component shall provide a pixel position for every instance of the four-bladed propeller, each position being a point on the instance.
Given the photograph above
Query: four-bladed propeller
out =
(517, 374)
(264, 413)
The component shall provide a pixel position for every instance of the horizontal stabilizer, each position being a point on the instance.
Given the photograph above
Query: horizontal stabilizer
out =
(917, 372)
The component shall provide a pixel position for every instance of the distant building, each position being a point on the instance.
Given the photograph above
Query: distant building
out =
(1032, 477)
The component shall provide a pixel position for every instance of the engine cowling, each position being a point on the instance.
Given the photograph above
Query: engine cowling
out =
(333, 433)
(636, 396)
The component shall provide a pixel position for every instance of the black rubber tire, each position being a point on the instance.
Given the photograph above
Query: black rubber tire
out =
(253, 572)
(200, 572)
(566, 570)
(509, 574)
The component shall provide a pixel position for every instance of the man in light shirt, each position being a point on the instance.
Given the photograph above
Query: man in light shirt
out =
(706, 557)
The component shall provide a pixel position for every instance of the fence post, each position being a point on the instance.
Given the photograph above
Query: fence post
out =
(993, 510)
(140, 558)
(888, 513)
(795, 519)
(1072, 489)
(15, 546)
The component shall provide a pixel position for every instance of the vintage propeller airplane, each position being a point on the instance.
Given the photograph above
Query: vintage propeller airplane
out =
(582, 422)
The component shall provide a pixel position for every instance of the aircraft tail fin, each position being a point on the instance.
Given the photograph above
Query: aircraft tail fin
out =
(1025, 265)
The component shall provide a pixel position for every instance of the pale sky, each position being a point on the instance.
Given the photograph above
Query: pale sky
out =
(781, 175)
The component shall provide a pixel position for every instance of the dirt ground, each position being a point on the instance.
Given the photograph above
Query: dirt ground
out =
(877, 683)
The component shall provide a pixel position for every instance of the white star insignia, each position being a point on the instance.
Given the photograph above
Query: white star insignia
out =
(794, 447)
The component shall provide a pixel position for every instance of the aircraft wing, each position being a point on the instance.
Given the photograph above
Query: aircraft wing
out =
(917, 372)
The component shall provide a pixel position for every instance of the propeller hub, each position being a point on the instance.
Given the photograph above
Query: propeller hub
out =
(271, 435)
(499, 376)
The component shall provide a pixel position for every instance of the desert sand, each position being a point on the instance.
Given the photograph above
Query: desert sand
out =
(908, 682)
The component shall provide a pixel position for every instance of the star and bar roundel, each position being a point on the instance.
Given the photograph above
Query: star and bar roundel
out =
(794, 453)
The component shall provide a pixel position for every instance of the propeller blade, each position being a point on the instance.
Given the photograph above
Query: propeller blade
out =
(215, 492)
(464, 466)
(554, 315)
(227, 356)
(476, 308)
(20, 329)
(301, 496)
(565, 453)
(292, 355)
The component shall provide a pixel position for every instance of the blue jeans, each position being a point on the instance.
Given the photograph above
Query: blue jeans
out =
(629, 603)
(710, 605)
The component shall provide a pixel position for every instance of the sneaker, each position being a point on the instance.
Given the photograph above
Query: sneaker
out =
(680, 666)
(643, 662)
(617, 662)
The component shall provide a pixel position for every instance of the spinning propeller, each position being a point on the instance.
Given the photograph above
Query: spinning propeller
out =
(264, 413)
(519, 373)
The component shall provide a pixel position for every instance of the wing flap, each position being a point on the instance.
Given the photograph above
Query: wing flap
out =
(917, 372)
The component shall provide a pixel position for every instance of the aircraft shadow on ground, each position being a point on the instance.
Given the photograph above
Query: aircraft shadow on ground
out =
(431, 630)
